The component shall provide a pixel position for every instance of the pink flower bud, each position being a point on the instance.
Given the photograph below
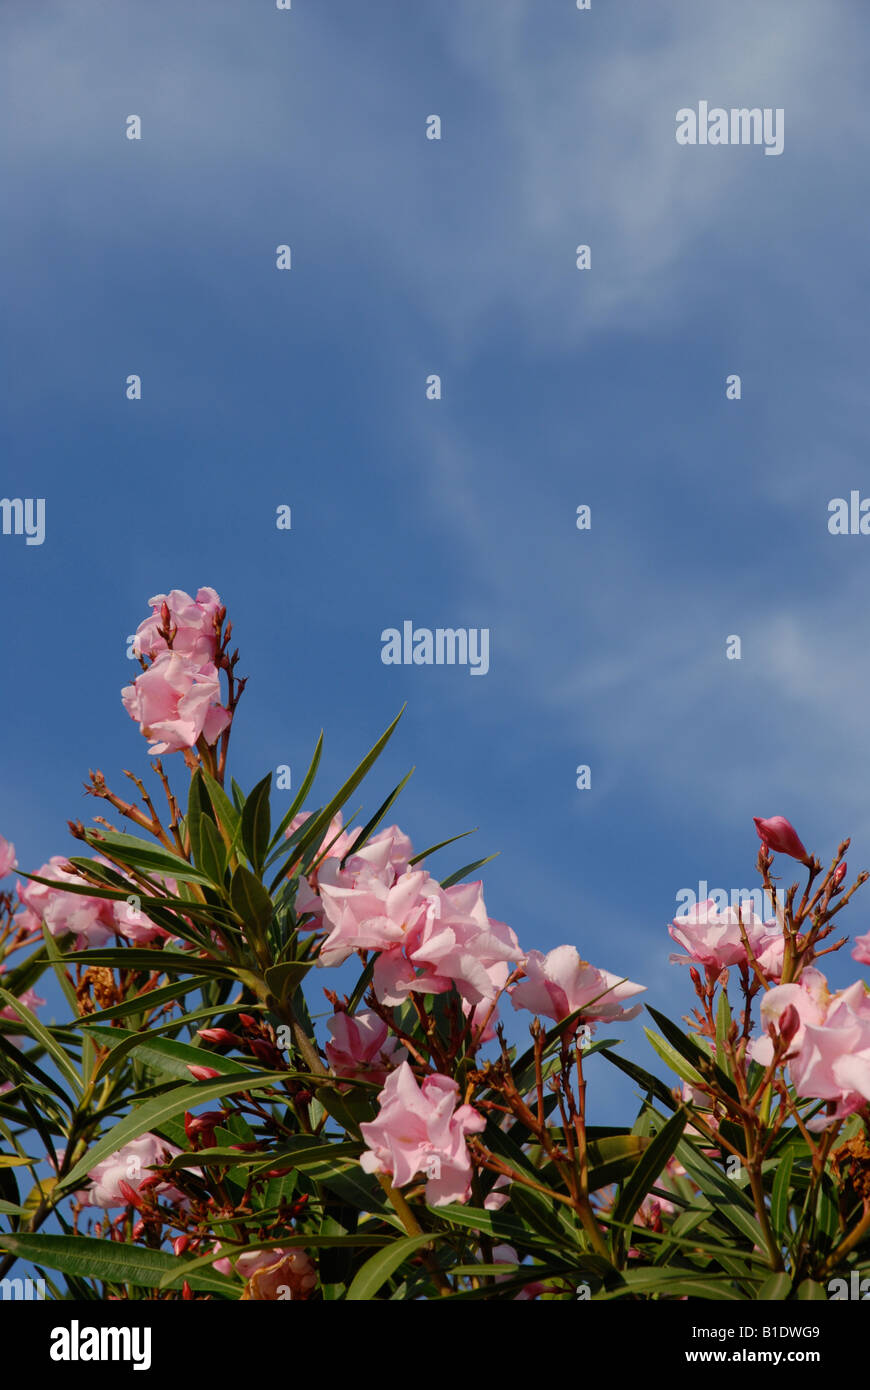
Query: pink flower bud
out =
(180, 1244)
(202, 1073)
(780, 835)
(217, 1035)
(789, 1022)
(839, 874)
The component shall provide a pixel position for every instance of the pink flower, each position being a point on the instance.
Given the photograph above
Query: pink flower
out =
(362, 1047)
(8, 862)
(420, 1130)
(780, 835)
(560, 982)
(28, 997)
(384, 857)
(713, 938)
(175, 702)
(829, 1055)
(276, 1274)
(861, 952)
(195, 637)
(91, 919)
(129, 1167)
(496, 1198)
(131, 922)
(452, 942)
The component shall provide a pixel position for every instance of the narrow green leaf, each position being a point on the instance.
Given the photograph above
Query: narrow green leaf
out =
(649, 1167)
(674, 1060)
(115, 1262)
(779, 1201)
(153, 1113)
(317, 825)
(257, 824)
(299, 800)
(433, 849)
(378, 1269)
(467, 869)
(42, 1035)
(376, 819)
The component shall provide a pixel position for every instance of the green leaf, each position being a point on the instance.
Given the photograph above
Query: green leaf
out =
(378, 1269)
(167, 961)
(115, 1262)
(212, 856)
(257, 824)
(172, 1058)
(43, 1036)
(467, 869)
(693, 1052)
(649, 1167)
(223, 808)
(251, 901)
(143, 1003)
(674, 1060)
(299, 799)
(723, 1025)
(317, 825)
(141, 854)
(377, 818)
(809, 1291)
(153, 1113)
(776, 1289)
(433, 849)
(779, 1201)
(283, 980)
(644, 1079)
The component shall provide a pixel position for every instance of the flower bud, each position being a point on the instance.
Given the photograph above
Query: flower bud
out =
(779, 835)
(217, 1035)
(180, 1244)
(789, 1023)
(202, 1073)
(839, 874)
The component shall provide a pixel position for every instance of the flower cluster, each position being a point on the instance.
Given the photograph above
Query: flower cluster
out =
(177, 699)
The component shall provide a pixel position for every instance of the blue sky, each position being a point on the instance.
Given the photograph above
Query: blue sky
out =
(560, 387)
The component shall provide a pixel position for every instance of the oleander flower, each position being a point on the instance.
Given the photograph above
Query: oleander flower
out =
(130, 1167)
(8, 862)
(560, 982)
(713, 938)
(362, 1047)
(194, 621)
(420, 1129)
(175, 701)
(861, 952)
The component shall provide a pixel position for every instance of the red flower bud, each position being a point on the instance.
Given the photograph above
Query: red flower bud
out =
(247, 1021)
(130, 1195)
(217, 1035)
(780, 835)
(839, 874)
(202, 1073)
(180, 1244)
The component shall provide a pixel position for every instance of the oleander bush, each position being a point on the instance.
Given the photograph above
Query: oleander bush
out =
(186, 1133)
